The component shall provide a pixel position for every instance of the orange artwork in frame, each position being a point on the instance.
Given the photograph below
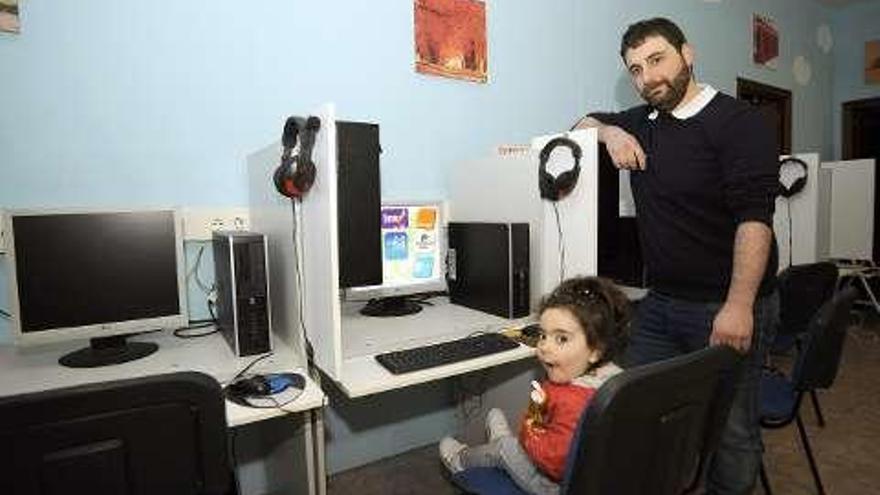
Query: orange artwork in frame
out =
(450, 38)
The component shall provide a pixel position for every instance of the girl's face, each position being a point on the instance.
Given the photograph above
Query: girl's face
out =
(562, 346)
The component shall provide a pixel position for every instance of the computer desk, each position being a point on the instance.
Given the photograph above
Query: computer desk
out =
(362, 375)
(35, 369)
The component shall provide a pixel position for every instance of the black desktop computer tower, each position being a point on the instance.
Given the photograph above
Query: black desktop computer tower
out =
(488, 267)
(359, 204)
(241, 275)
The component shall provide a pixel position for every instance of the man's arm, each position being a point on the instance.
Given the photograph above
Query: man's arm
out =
(625, 150)
(734, 323)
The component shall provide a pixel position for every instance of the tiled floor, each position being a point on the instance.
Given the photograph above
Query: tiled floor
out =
(847, 449)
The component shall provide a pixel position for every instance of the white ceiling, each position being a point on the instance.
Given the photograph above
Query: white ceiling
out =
(843, 3)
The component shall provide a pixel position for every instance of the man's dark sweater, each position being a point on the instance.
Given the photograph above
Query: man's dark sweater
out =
(705, 174)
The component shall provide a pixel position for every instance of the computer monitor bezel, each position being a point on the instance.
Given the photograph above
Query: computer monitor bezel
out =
(97, 330)
(368, 292)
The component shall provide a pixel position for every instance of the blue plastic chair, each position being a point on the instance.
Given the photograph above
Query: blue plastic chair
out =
(661, 420)
(815, 368)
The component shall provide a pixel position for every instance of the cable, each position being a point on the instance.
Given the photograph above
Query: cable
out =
(561, 243)
(183, 332)
(310, 351)
(194, 273)
(5, 314)
(249, 366)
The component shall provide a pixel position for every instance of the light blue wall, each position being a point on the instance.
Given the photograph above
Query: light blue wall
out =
(852, 28)
(158, 103)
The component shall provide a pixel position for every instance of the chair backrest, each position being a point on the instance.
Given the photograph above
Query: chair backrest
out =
(819, 359)
(160, 434)
(802, 290)
(650, 429)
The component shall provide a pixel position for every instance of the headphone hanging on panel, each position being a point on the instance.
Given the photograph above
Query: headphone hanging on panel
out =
(556, 188)
(787, 191)
(295, 174)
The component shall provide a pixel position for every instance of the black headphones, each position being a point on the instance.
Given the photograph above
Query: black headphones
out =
(556, 188)
(295, 182)
(799, 183)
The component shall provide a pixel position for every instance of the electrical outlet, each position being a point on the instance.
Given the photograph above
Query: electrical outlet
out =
(200, 222)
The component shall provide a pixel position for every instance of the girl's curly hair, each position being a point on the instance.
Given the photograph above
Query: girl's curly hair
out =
(602, 310)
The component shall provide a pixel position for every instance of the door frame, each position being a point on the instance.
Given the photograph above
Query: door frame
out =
(848, 113)
(748, 87)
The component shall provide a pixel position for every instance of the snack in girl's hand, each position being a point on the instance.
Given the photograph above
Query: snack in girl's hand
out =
(537, 405)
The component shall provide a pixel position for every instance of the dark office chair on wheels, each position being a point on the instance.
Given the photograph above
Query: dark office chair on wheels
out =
(802, 291)
(649, 430)
(816, 367)
(163, 434)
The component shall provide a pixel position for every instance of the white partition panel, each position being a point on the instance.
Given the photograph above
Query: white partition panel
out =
(503, 187)
(575, 252)
(796, 220)
(316, 230)
(320, 246)
(851, 209)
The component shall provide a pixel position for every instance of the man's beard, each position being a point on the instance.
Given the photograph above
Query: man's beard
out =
(673, 96)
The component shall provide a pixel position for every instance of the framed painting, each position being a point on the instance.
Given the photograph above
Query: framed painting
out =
(9, 21)
(450, 39)
(872, 62)
(765, 37)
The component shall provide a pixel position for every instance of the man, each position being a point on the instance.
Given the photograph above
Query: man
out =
(704, 177)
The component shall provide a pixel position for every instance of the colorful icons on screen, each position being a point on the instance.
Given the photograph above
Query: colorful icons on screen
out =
(410, 243)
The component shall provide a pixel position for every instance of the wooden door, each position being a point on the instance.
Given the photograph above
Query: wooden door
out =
(775, 103)
(861, 139)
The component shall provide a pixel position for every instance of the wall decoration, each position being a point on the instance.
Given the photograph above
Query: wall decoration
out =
(450, 38)
(824, 38)
(872, 62)
(802, 70)
(9, 21)
(765, 46)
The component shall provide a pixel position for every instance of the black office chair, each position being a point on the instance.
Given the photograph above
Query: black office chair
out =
(816, 367)
(649, 430)
(160, 434)
(802, 291)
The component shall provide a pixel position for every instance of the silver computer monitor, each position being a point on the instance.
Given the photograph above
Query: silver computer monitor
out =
(413, 258)
(96, 275)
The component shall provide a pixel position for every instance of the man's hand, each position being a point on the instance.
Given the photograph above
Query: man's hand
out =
(625, 150)
(733, 326)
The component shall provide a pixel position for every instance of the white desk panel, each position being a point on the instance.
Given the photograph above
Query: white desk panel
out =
(367, 336)
(35, 369)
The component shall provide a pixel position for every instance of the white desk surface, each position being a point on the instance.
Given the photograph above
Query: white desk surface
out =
(365, 337)
(34, 369)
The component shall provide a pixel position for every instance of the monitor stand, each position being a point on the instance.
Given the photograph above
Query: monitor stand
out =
(104, 351)
(391, 306)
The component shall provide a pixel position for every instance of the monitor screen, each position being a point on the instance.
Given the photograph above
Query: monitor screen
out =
(95, 274)
(413, 251)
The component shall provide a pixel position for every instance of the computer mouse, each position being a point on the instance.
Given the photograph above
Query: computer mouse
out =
(251, 386)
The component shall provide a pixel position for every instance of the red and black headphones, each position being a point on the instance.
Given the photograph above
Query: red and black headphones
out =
(295, 181)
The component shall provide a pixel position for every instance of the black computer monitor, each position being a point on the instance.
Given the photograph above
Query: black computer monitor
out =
(101, 275)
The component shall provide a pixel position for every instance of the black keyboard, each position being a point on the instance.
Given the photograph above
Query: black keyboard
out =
(453, 351)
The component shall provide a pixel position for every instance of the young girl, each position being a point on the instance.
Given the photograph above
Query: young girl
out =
(584, 325)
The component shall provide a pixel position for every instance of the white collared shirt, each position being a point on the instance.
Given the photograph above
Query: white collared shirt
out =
(692, 107)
